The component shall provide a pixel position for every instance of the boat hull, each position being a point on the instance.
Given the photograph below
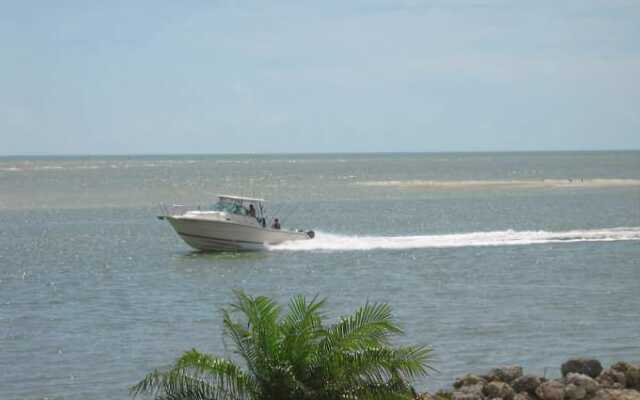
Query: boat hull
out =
(211, 235)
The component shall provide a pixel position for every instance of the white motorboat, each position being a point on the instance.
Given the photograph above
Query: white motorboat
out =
(233, 223)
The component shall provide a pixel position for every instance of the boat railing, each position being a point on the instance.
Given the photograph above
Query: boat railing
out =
(174, 209)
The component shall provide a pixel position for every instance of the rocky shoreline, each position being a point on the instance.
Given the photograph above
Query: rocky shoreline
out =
(582, 379)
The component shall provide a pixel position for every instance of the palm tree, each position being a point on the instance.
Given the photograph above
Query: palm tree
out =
(296, 357)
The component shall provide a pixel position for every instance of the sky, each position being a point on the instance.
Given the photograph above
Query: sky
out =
(206, 76)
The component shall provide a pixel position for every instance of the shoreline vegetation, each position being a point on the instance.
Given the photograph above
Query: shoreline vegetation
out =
(582, 379)
(504, 184)
(296, 355)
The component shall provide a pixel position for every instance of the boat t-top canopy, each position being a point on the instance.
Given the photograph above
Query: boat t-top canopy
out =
(240, 205)
(240, 199)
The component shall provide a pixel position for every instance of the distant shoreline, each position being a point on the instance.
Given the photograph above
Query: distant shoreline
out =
(22, 156)
(504, 184)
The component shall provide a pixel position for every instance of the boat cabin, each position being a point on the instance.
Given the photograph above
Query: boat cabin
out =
(241, 206)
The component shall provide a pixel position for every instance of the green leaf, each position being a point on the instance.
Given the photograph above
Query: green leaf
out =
(370, 326)
(198, 376)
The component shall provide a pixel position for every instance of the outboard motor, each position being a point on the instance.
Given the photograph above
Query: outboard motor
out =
(311, 234)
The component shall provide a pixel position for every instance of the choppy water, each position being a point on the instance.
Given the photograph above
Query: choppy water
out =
(95, 292)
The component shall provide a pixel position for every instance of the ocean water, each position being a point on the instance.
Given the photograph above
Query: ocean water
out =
(526, 258)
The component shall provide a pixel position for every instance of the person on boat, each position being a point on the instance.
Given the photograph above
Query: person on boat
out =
(275, 224)
(252, 210)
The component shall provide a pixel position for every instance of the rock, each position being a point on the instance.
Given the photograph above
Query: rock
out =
(550, 390)
(617, 394)
(612, 379)
(505, 374)
(587, 366)
(631, 374)
(526, 383)
(443, 395)
(496, 389)
(486, 377)
(573, 392)
(457, 395)
(523, 396)
(469, 392)
(589, 385)
(478, 388)
(468, 380)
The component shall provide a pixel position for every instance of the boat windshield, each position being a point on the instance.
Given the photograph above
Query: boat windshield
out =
(230, 207)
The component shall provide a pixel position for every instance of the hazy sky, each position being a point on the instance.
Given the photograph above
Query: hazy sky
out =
(211, 76)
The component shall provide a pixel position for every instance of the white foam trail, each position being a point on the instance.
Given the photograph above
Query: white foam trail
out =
(333, 242)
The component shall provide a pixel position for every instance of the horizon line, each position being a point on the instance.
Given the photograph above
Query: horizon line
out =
(24, 155)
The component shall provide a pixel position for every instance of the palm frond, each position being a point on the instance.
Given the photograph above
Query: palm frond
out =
(303, 315)
(228, 375)
(259, 311)
(370, 326)
(242, 339)
(393, 390)
(258, 343)
(302, 329)
(179, 384)
(413, 361)
(198, 376)
(302, 324)
(378, 368)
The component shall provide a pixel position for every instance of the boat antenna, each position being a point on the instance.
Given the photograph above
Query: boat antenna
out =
(252, 187)
(273, 214)
(293, 210)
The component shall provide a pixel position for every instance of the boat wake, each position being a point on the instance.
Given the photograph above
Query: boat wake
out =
(333, 242)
